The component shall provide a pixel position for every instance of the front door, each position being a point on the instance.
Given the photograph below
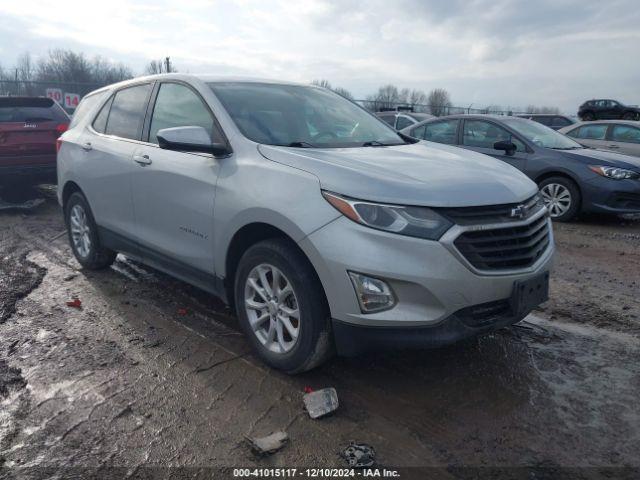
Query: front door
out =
(481, 135)
(174, 192)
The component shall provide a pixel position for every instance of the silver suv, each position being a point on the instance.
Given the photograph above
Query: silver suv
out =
(324, 228)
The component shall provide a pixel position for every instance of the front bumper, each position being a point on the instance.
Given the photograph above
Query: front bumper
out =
(605, 195)
(431, 283)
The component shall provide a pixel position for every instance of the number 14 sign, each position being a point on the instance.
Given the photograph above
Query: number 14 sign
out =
(71, 100)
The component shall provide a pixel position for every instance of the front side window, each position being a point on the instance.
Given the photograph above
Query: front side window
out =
(443, 132)
(591, 132)
(179, 106)
(127, 111)
(298, 115)
(483, 134)
(403, 122)
(625, 133)
(540, 135)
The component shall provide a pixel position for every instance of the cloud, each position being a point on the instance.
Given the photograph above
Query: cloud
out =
(507, 52)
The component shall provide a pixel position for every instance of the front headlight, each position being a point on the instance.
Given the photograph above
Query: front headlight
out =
(614, 172)
(421, 222)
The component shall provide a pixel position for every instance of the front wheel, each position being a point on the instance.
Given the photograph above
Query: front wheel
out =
(587, 117)
(281, 307)
(562, 198)
(83, 235)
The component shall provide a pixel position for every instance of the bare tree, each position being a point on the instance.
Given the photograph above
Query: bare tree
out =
(339, 90)
(160, 66)
(105, 72)
(439, 101)
(387, 97)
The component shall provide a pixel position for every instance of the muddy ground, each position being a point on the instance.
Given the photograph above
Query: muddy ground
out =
(151, 374)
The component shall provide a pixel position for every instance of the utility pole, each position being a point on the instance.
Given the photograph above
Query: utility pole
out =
(168, 64)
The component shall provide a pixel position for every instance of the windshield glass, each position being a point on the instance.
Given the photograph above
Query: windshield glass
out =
(540, 135)
(302, 116)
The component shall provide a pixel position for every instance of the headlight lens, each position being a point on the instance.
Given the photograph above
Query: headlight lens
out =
(421, 222)
(614, 172)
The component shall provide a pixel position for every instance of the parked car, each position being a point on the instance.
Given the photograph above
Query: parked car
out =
(29, 127)
(552, 121)
(571, 178)
(400, 120)
(620, 136)
(607, 109)
(247, 190)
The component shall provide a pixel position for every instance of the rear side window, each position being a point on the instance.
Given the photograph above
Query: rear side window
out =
(560, 122)
(590, 132)
(127, 111)
(86, 105)
(179, 106)
(22, 110)
(625, 133)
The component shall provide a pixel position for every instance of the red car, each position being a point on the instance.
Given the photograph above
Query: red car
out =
(29, 128)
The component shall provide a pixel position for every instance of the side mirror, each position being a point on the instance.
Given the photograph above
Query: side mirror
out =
(508, 147)
(190, 139)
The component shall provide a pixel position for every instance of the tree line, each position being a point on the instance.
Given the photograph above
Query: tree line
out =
(67, 66)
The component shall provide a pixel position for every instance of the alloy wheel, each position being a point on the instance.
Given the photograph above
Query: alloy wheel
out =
(80, 231)
(557, 198)
(272, 308)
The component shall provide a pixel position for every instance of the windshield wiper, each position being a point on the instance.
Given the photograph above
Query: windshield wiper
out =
(375, 143)
(301, 145)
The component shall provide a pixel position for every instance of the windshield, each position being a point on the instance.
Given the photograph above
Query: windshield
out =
(540, 135)
(301, 116)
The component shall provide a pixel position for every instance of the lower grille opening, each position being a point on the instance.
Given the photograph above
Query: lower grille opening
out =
(485, 314)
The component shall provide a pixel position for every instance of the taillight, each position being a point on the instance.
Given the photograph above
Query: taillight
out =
(61, 128)
(58, 144)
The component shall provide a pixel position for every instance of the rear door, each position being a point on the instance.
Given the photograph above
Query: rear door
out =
(174, 191)
(481, 135)
(108, 145)
(29, 128)
(625, 139)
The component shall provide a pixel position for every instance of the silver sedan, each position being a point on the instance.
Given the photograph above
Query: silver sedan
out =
(622, 136)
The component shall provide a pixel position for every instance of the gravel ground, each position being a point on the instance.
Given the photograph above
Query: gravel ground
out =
(150, 377)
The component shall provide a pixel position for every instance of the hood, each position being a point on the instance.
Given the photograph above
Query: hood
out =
(592, 156)
(421, 174)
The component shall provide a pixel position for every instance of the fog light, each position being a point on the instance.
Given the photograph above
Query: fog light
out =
(373, 294)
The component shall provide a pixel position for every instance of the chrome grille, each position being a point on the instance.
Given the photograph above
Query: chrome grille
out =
(505, 248)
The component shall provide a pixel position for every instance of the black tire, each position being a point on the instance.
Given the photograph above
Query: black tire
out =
(574, 191)
(97, 257)
(629, 116)
(314, 343)
(588, 117)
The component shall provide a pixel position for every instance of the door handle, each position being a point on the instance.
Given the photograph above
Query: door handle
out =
(142, 160)
(613, 146)
(87, 147)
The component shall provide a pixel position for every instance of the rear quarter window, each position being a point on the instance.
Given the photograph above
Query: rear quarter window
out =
(87, 105)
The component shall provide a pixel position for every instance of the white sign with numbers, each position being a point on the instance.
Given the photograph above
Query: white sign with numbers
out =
(71, 100)
(55, 94)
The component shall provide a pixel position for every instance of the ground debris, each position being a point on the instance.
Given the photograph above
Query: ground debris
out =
(75, 303)
(359, 455)
(269, 444)
(321, 402)
(26, 205)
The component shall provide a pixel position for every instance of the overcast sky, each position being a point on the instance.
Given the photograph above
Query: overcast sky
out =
(505, 52)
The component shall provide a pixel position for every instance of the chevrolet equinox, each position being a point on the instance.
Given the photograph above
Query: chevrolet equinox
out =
(325, 229)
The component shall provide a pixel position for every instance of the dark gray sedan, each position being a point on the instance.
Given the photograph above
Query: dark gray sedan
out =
(571, 178)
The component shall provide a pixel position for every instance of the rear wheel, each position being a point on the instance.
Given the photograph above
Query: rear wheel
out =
(629, 116)
(562, 198)
(83, 235)
(281, 307)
